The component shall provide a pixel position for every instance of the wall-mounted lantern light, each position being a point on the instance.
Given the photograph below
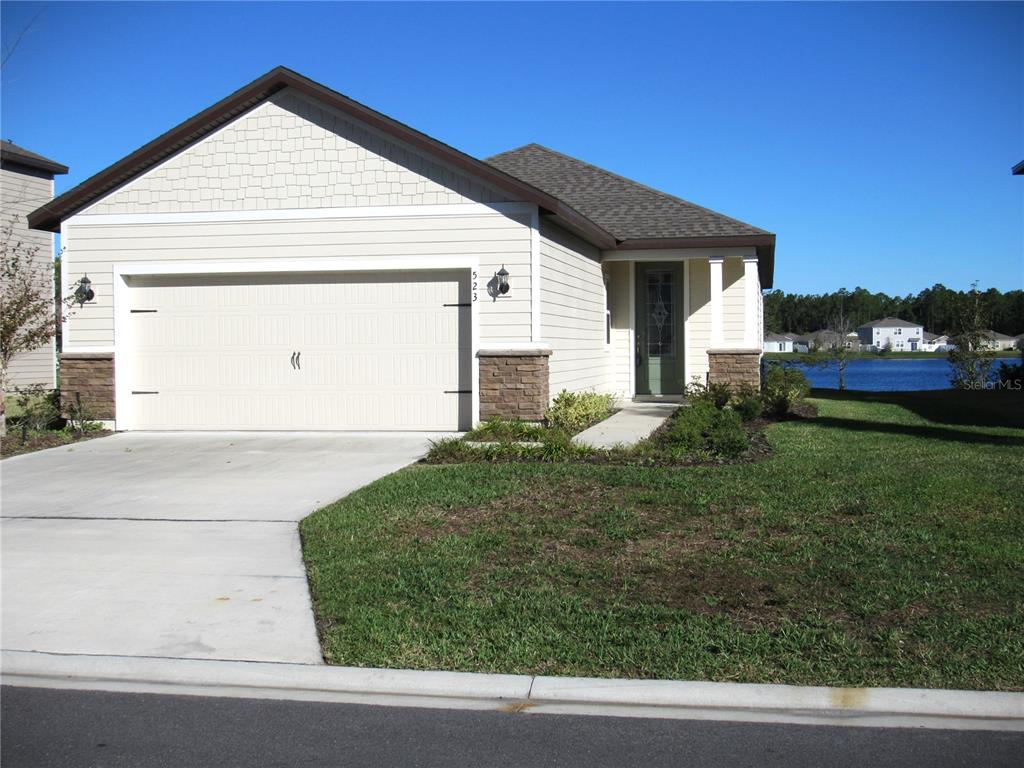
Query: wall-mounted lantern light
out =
(502, 280)
(84, 292)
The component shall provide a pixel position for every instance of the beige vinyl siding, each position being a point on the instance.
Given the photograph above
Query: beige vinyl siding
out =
(733, 299)
(572, 311)
(622, 353)
(699, 320)
(293, 152)
(493, 238)
(22, 190)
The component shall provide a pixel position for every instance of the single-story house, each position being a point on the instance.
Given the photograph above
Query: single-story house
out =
(997, 341)
(778, 342)
(26, 182)
(936, 343)
(891, 333)
(292, 259)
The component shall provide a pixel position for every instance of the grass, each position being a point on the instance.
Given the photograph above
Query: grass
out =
(892, 355)
(882, 543)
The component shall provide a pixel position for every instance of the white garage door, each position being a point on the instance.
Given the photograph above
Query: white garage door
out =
(336, 351)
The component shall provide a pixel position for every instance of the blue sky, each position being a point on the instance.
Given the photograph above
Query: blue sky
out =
(875, 139)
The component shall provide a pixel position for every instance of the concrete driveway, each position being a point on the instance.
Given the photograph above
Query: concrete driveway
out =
(177, 545)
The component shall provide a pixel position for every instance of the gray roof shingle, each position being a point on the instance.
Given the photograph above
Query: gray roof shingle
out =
(626, 208)
(13, 153)
(890, 322)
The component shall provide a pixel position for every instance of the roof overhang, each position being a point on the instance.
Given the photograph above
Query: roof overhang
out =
(48, 217)
(763, 244)
(39, 163)
(1018, 169)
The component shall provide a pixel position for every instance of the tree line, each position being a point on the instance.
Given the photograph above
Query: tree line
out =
(937, 309)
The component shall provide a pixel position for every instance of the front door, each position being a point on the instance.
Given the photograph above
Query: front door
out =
(659, 328)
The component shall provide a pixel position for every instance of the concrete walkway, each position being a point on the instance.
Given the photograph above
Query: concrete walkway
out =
(177, 545)
(630, 425)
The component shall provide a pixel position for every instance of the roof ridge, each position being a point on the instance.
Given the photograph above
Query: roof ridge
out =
(633, 182)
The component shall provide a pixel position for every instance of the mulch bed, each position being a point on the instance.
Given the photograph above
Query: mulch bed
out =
(11, 444)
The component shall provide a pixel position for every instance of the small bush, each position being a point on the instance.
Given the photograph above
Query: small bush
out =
(716, 394)
(747, 403)
(783, 387)
(575, 411)
(507, 430)
(38, 410)
(690, 424)
(726, 436)
(1011, 376)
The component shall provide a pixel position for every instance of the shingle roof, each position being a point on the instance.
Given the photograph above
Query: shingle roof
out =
(627, 209)
(997, 336)
(13, 153)
(890, 322)
(777, 337)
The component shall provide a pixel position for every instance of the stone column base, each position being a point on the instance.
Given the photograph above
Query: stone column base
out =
(91, 376)
(735, 367)
(514, 383)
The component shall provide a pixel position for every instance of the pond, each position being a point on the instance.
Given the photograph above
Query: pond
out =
(883, 374)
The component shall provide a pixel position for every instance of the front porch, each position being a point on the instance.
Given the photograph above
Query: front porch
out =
(676, 317)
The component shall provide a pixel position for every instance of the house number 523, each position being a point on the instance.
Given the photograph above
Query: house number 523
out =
(474, 285)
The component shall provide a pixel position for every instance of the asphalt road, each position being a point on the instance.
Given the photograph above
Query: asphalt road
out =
(56, 728)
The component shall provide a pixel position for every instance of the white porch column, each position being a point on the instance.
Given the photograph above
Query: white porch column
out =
(750, 303)
(717, 325)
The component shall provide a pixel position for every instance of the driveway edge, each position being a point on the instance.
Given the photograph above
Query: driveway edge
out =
(875, 707)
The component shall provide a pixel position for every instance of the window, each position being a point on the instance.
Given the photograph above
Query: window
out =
(661, 324)
(608, 327)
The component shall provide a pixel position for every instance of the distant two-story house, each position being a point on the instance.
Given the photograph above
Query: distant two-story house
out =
(26, 183)
(936, 343)
(891, 333)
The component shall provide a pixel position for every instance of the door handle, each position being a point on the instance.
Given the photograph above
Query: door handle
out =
(298, 360)
(293, 361)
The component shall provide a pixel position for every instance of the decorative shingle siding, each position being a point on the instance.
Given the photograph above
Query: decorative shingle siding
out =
(291, 152)
(513, 384)
(22, 190)
(91, 377)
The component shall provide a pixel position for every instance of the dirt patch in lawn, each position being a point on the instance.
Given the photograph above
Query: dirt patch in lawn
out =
(609, 547)
(11, 444)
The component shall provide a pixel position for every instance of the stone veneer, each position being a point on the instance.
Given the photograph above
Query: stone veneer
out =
(92, 376)
(514, 384)
(734, 367)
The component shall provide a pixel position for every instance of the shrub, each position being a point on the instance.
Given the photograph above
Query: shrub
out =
(747, 403)
(506, 430)
(690, 424)
(717, 394)
(726, 436)
(39, 410)
(575, 411)
(783, 386)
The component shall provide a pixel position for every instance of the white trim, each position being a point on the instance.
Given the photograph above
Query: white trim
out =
(676, 254)
(750, 301)
(86, 350)
(291, 214)
(525, 346)
(65, 261)
(535, 273)
(124, 371)
(632, 329)
(715, 264)
(686, 324)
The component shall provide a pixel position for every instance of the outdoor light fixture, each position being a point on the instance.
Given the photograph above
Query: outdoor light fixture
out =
(502, 280)
(84, 292)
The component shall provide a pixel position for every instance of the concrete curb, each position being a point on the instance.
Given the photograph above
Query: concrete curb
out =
(876, 707)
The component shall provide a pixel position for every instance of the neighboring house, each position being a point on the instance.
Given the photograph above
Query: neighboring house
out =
(26, 182)
(936, 343)
(802, 342)
(292, 259)
(997, 341)
(809, 342)
(777, 342)
(1020, 342)
(891, 333)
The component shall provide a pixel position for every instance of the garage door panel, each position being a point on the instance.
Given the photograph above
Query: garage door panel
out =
(378, 351)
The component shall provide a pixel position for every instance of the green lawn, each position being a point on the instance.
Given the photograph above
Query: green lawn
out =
(874, 547)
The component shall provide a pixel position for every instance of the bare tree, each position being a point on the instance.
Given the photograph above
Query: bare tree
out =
(970, 357)
(833, 343)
